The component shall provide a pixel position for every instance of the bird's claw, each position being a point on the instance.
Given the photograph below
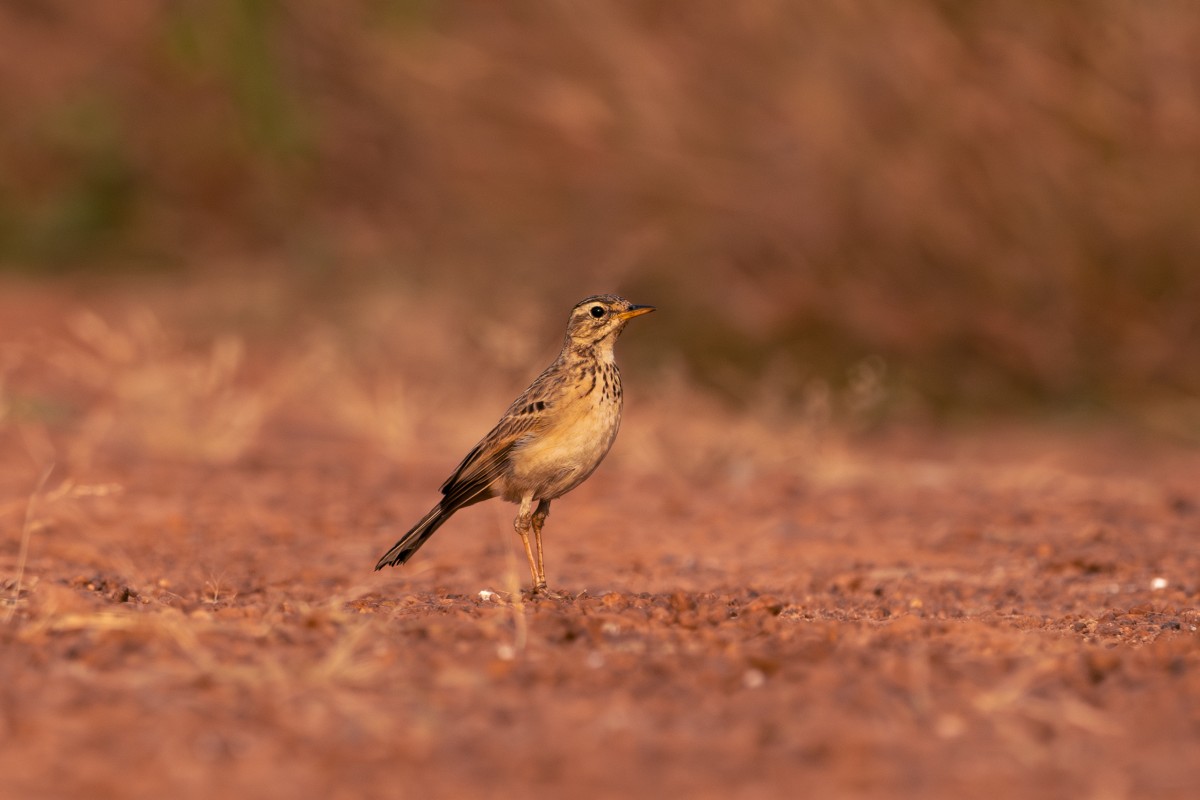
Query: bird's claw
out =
(540, 592)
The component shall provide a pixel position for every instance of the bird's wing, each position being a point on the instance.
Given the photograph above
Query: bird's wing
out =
(475, 475)
(487, 461)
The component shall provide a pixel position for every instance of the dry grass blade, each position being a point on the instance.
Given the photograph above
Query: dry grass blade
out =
(26, 535)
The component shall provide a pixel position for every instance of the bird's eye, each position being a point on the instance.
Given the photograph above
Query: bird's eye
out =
(597, 311)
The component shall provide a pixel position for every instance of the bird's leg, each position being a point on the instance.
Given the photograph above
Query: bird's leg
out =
(538, 520)
(521, 525)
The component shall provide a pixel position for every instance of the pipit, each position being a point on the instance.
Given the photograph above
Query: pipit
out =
(549, 441)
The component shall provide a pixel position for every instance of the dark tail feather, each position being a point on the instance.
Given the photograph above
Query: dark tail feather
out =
(403, 550)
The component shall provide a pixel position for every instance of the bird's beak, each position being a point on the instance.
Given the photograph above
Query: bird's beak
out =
(633, 311)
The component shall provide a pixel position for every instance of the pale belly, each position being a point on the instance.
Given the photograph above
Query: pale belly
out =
(559, 459)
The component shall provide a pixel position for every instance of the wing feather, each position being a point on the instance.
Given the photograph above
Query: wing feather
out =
(488, 460)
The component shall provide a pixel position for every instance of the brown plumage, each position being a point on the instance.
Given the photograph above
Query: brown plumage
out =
(549, 441)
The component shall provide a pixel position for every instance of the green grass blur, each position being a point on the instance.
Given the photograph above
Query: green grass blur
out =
(956, 205)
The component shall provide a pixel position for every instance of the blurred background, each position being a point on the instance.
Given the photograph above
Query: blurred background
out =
(875, 210)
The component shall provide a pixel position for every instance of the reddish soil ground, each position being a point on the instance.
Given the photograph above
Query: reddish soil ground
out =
(754, 607)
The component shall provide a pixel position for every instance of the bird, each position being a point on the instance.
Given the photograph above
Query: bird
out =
(550, 440)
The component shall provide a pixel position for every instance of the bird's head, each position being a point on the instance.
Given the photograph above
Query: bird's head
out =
(600, 318)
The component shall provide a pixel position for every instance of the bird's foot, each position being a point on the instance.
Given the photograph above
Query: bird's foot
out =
(540, 592)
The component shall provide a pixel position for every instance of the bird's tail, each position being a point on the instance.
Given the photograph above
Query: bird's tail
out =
(410, 542)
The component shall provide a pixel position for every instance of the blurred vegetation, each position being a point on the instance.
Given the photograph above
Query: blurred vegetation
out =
(974, 205)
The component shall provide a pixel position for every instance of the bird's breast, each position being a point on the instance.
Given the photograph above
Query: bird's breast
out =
(576, 438)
